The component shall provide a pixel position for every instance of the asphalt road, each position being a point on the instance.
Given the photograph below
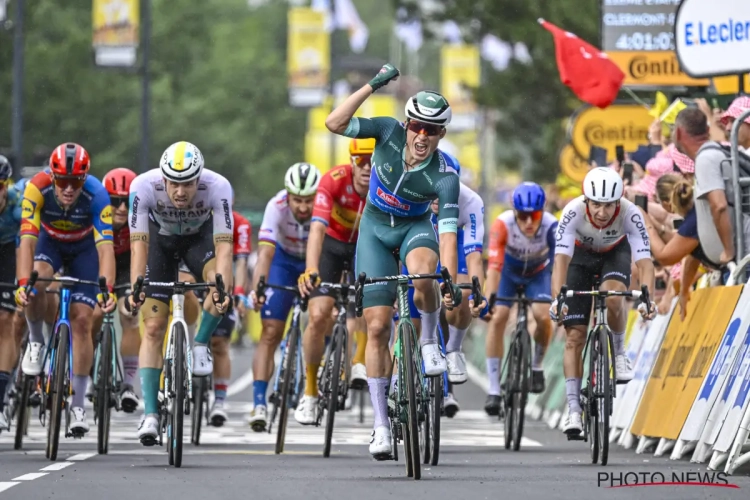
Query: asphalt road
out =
(233, 462)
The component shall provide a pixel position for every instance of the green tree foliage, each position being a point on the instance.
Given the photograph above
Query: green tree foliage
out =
(218, 80)
(532, 100)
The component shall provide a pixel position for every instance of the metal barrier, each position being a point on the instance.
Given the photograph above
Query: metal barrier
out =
(738, 183)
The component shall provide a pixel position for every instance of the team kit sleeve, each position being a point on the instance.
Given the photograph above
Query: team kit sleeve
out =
(222, 211)
(474, 233)
(565, 239)
(141, 201)
(498, 240)
(374, 128)
(551, 239)
(447, 190)
(269, 228)
(324, 200)
(242, 232)
(101, 212)
(31, 206)
(635, 228)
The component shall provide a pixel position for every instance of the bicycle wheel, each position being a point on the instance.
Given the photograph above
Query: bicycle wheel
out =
(604, 409)
(23, 393)
(59, 391)
(434, 411)
(511, 382)
(425, 446)
(104, 390)
(290, 368)
(179, 369)
(338, 345)
(590, 408)
(199, 392)
(520, 396)
(408, 335)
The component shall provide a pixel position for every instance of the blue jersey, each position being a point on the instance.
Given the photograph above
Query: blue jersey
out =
(10, 217)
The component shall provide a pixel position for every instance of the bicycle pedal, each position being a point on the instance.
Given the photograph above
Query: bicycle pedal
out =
(382, 457)
(576, 437)
(217, 421)
(622, 382)
(149, 441)
(258, 426)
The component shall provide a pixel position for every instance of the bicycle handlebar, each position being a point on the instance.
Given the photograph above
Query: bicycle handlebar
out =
(260, 290)
(494, 299)
(363, 280)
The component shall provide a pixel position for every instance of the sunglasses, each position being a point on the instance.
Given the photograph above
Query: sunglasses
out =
(64, 182)
(116, 201)
(430, 129)
(362, 160)
(534, 216)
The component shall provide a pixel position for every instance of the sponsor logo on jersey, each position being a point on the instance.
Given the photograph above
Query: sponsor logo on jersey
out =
(65, 225)
(349, 189)
(160, 205)
(383, 177)
(134, 210)
(338, 174)
(427, 177)
(451, 205)
(227, 213)
(414, 194)
(473, 225)
(638, 221)
(392, 200)
(394, 146)
(564, 221)
(199, 204)
(321, 200)
(27, 208)
(106, 215)
(107, 232)
(418, 235)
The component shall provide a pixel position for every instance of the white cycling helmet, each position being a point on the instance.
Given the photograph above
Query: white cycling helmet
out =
(302, 179)
(181, 162)
(429, 107)
(602, 185)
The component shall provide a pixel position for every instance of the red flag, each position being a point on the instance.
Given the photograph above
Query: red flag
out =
(589, 73)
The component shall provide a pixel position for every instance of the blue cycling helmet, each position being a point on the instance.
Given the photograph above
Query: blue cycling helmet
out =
(6, 171)
(529, 197)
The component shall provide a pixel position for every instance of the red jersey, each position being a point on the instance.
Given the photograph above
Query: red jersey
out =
(242, 232)
(122, 241)
(338, 206)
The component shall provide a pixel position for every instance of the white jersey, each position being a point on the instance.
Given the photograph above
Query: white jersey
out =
(279, 227)
(471, 219)
(576, 230)
(148, 195)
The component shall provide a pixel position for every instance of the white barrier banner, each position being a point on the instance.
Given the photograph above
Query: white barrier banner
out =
(735, 397)
(633, 350)
(720, 368)
(642, 371)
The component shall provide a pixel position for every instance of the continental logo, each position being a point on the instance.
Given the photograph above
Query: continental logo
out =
(625, 124)
(653, 68)
(601, 132)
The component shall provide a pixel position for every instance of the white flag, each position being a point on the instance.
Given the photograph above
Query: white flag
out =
(347, 18)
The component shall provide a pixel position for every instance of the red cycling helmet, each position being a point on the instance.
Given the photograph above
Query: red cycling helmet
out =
(69, 160)
(118, 181)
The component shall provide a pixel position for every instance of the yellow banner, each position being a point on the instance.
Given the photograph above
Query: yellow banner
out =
(653, 68)
(308, 49)
(115, 23)
(459, 75)
(625, 124)
(572, 165)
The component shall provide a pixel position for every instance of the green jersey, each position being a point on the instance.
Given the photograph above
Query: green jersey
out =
(401, 193)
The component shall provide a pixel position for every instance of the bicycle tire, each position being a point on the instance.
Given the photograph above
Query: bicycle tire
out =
(290, 369)
(23, 393)
(605, 406)
(104, 390)
(58, 391)
(508, 398)
(592, 418)
(408, 335)
(199, 392)
(521, 395)
(178, 383)
(361, 403)
(434, 411)
(338, 345)
(425, 445)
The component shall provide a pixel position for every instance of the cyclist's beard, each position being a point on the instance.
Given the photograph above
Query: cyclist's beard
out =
(302, 218)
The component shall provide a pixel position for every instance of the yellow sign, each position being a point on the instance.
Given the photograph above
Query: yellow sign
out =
(653, 68)
(572, 165)
(625, 124)
(308, 56)
(459, 75)
(729, 84)
(115, 31)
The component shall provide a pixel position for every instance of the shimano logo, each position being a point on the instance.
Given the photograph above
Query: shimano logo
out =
(638, 221)
(566, 218)
(227, 213)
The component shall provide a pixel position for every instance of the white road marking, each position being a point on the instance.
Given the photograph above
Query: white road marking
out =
(81, 456)
(30, 476)
(57, 466)
(6, 484)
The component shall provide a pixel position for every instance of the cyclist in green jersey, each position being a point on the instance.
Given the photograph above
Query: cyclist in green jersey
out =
(408, 172)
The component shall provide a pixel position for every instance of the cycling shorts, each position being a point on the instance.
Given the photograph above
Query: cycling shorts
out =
(80, 259)
(380, 235)
(335, 258)
(536, 286)
(8, 276)
(227, 324)
(584, 266)
(166, 252)
(122, 269)
(285, 271)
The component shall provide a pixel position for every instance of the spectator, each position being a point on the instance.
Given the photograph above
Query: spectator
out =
(716, 131)
(655, 169)
(738, 106)
(713, 187)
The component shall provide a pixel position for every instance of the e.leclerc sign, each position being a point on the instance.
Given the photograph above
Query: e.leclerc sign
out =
(712, 37)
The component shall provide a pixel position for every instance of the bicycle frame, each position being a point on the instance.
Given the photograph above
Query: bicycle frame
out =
(296, 317)
(178, 316)
(116, 358)
(63, 318)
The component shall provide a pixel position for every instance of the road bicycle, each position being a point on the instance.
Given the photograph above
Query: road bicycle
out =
(408, 404)
(597, 396)
(516, 370)
(288, 382)
(177, 389)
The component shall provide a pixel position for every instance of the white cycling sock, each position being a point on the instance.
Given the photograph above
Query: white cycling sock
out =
(456, 338)
(429, 326)
(619, 341)
(192, 328)
(538, 358)
(493, 373)
(573, 391)
(36, 331)
(379, 402)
